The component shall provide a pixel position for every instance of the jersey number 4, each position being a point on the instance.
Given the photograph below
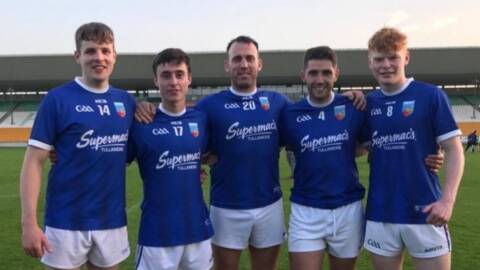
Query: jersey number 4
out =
(321, 115)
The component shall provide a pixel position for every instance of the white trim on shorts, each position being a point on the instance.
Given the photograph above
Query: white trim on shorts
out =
(339, 231)
(420, 240)
(237, 228)
(195, 256)
(72, 249)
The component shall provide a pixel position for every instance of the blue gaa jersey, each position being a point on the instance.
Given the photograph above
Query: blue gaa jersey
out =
(324, 140)
(405, 127)
(168, 152)
(244, 136)
(89, 132)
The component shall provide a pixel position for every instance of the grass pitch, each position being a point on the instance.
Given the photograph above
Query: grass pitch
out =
(464, 226)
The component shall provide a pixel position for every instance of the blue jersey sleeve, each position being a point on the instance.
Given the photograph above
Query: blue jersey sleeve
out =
(203, 107)
(205, 142)
(444, 124)
(131, 146)
(45, 126)
(363, 135)
(283, 120)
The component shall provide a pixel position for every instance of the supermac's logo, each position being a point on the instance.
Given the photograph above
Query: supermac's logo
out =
(252, 133)
(108, 143)
(264, 103)
(395, 141)
(194, 129)
(324, 144)
(339, 112)
(189, 161)
(408, 107)
(120, 109)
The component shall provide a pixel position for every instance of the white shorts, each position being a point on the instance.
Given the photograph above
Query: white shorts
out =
(237, 228)
(71, 249)
(195, 256)
(420, 240)
(339, 231)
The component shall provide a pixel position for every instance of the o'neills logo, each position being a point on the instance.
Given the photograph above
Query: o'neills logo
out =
(393, 141)
(258, 132)
(187, 161)
(324, 144)
(108, 143)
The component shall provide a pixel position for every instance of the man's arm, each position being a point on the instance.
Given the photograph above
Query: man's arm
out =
(145, 111)
(440, 212)
(34, 241)
(362, 149)
(435, 161)
(358, 99)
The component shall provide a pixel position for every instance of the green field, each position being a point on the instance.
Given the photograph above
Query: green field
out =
(464, 227)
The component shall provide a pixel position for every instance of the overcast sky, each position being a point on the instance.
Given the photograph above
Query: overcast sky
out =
(47, 26)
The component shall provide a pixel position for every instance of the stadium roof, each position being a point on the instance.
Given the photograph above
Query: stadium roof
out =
(441, 66)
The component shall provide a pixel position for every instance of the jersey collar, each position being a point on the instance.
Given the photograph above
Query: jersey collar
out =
(407, 83)
(90, 89)
(163, 110)
(242, 94)
(321, 105)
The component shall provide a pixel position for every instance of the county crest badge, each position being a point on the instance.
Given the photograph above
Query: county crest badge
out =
(264, 103)
(194, 129)
(120, 109)
(339, 112)
(408, 108)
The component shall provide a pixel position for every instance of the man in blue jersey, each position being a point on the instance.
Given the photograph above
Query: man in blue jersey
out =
(323, 131)
(175, 227)
(407, 119)
(246, 206)
(86, 121)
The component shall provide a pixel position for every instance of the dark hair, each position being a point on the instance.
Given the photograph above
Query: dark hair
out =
(320, 53)
(242, 39)
(170, 55)
(94, 31)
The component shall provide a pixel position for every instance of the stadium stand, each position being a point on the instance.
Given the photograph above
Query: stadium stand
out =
(465, 113)
(21, 114)
(16, 120)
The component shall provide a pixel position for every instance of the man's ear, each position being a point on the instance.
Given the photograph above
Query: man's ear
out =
(226, 65)
(407, 57)
(76, 56)
(302, 75)
(337, 74)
